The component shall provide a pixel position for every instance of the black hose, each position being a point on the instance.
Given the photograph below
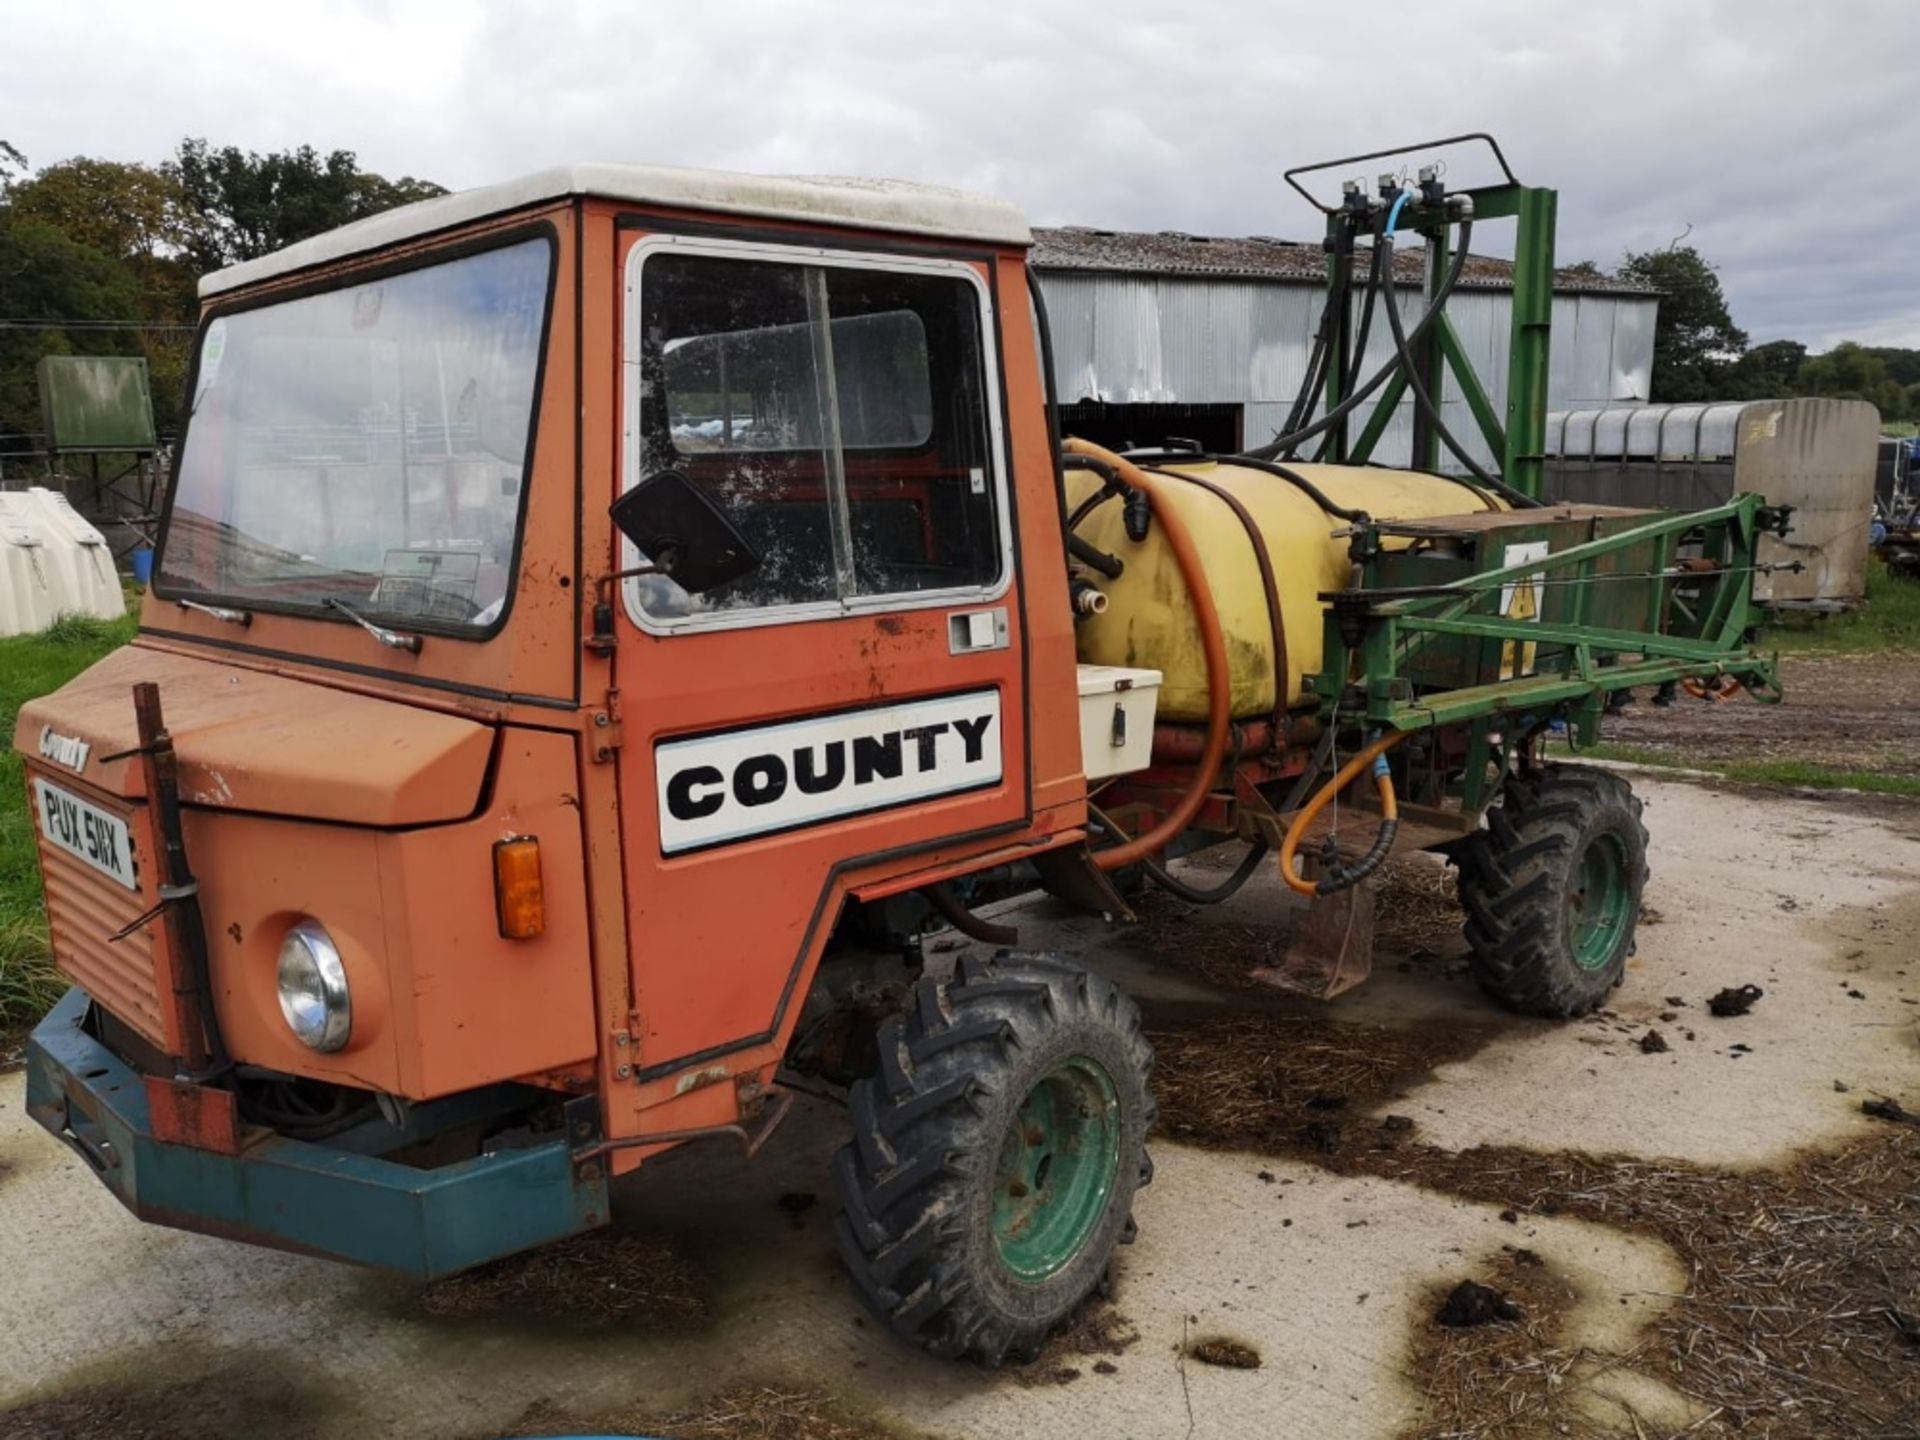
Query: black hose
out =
(1225, 890)
(1424, 398)
(1110, 566)
(1087, 506)
(1306, 487)
(948, 907)
(1346, 407)
(1359, 355)
(1335, 877)
(1307, 396)
(1315, 380)
(1072, 460)
(1044, 326)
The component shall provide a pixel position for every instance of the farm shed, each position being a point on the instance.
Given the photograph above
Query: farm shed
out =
(1207, 338)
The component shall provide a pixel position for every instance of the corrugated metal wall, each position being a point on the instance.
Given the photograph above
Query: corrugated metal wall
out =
(1126, 339)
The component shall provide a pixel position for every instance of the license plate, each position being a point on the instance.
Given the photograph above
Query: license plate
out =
(87, 832)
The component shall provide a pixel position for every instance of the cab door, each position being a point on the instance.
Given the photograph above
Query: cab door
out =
(852, 706)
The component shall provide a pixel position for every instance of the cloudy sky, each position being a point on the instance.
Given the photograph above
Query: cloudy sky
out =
(1782, 137)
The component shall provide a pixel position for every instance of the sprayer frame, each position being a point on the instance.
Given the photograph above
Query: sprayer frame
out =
(1517, 444)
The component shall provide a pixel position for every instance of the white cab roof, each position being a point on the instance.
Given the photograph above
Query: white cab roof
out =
(892, 205)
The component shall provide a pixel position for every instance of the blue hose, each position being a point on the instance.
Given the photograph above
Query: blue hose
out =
(1393, 215)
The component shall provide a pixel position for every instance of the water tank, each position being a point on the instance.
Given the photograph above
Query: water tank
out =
(1149, 621)
(52, 563)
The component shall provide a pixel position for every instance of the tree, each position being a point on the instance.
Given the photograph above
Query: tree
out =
(240, 205)
(1903, 366)
(1852, 372)
(1694, 339)
(117, 208)
(1766, 372)
(44, 275)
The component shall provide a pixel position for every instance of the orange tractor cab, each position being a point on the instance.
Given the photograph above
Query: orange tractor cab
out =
(603, 621)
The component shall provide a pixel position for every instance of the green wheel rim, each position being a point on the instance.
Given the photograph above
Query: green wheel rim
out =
(1599, 903)
(1056, 1169)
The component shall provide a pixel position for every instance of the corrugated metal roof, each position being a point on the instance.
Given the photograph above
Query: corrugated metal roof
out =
(1265, 257)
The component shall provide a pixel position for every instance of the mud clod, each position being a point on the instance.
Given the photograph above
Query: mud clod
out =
(1226, 1353)
(1653, 1043)
(1470, 1303)
(1098, 1329)
(1734, 1000)
(1322, 1135)
(1887, 1108)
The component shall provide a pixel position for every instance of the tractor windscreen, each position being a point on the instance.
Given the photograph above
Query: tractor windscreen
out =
(367, 445)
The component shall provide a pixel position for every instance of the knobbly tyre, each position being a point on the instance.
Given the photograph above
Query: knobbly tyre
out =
(602, 621)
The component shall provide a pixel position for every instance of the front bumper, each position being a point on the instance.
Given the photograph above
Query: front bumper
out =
(316, 1198)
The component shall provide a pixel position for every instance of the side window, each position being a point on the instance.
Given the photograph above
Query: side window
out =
(837, 414)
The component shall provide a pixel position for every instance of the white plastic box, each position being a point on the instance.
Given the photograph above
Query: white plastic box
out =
(1116, 719)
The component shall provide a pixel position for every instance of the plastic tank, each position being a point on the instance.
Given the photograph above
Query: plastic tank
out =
(1149, 620)
(52, 563)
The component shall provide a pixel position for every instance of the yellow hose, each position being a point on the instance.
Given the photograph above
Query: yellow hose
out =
(1389, 807)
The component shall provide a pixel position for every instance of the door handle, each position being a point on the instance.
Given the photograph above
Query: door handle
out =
(970, 631)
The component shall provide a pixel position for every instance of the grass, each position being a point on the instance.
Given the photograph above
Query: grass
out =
(30, 666)
(1808, 773)
(1889, 620)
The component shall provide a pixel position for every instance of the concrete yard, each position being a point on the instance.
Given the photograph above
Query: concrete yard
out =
(1328, 1265)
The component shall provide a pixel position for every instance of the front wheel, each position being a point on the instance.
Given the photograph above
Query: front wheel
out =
(1552, 890)
(995, 1155)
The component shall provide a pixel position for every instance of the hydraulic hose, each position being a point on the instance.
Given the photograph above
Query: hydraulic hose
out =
(948, 907)
(1352, 377)
(1342, 877)
(1305, 486)
(1192, 894)
(1090, 555)
(1212, 641)
(1424, 398)
(1311, 383)
(1346, 407)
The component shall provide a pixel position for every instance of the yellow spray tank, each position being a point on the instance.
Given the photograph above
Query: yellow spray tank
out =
(1149, 619)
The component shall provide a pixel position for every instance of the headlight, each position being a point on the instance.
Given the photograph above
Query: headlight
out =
(313, 988)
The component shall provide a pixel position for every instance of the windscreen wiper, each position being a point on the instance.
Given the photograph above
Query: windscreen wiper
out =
(219, 612)
(392, 639)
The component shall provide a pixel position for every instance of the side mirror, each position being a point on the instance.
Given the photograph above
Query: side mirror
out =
(688, 538)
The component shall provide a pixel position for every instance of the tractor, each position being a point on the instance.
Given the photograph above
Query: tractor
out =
(602, 622)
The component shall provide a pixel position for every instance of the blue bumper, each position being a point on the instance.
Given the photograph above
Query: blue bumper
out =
(319, 1199)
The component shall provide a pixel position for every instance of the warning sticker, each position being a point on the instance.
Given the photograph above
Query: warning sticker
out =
(1522, 599)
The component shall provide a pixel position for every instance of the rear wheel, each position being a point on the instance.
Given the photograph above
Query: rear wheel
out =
(995, 1155)
(1552, 890)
